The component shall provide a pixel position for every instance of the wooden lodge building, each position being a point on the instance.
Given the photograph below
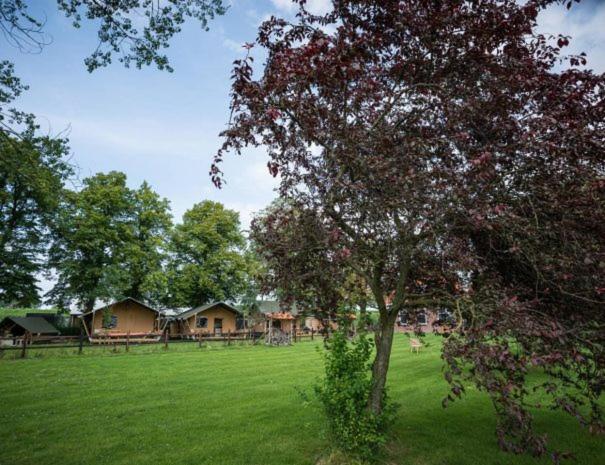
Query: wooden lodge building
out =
(126, 318)
(214, 319)
(16, 326)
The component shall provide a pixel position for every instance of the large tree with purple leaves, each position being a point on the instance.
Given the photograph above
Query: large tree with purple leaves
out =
(450, 155)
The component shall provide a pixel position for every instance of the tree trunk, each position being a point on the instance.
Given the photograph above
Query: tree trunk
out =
(89, 304)
(380, 367)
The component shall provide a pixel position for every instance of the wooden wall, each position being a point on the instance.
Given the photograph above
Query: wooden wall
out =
(212, 314)
(132, 317)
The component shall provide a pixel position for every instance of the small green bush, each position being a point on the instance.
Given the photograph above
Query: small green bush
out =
(344, 394)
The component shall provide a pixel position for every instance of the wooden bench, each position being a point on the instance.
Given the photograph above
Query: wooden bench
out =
(415, 345)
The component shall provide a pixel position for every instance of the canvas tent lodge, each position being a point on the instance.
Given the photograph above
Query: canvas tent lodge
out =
(13, 328)
(127, 318)
(214, 319)
(19, 325)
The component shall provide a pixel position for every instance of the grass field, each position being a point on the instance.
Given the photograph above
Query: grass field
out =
(234, 405)
(4, 312)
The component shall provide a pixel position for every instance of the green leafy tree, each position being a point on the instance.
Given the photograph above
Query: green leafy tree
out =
(146, 252)
(92, 240)
(32, 174)
(208, 261)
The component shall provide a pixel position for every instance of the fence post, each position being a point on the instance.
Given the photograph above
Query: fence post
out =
(81, 342)
(229, 337)
(311, 333)
(24, 348)
(199, 340)
(165, 340)
(127, 341)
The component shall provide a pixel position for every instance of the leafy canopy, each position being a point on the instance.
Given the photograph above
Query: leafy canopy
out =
(207, 256)
(32, 175)
(452, 156)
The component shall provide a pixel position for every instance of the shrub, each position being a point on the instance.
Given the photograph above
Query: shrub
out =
(344, 395)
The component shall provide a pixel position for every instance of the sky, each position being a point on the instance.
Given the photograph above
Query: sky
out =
(164, 127)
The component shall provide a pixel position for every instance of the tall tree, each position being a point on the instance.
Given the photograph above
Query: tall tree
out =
(436, 145)
(146, 251)
(32, 174)
(92, 239)
(208, 260)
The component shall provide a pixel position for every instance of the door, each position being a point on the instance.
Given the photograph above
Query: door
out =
(218, 326)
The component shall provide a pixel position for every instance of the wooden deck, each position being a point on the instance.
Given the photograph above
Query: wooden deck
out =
(124, 338)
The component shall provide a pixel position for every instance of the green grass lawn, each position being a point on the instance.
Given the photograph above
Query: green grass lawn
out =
(21, 312)
(4, 312)
(234, 405)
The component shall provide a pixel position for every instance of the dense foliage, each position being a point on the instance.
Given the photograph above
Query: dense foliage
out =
(111, 241)
(451, 156)
(146, 252)
(91, 239)
(207, 256)
(344, 393)
(32, 175)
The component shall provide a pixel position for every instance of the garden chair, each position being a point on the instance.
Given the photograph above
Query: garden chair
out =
(415, 345)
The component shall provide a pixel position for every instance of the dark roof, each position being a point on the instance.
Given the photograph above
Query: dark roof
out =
(33, 324)
(203, 308)
(274, 306)
(127, 299)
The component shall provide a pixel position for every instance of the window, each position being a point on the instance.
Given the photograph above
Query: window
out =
(201, 322)
(111, 322)
(444, 316)
(422, 319)
(403, 318)
(240, 323)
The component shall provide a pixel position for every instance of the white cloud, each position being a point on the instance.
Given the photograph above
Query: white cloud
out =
(584, 22)
(284, 5)
(317, 7)
(137, 137)
(255, 18)
(234, 46)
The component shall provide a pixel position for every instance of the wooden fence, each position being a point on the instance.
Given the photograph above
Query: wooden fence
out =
(33, 342)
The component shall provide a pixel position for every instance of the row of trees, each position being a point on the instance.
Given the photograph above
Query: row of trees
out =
(107, 240)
